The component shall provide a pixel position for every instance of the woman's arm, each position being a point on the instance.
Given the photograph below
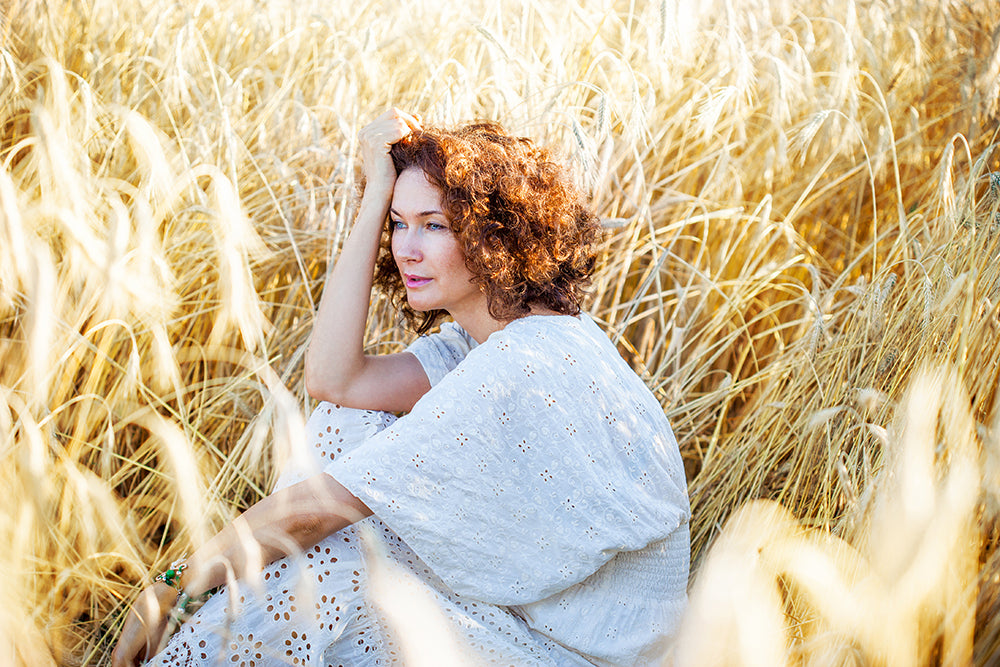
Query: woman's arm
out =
(337, 369)
(288, 521)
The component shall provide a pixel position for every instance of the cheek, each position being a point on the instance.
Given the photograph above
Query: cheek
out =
(454, 257)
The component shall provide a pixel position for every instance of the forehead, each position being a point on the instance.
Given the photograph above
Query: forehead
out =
(413, 193)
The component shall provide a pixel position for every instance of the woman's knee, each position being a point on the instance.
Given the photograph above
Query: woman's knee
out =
(330, 432)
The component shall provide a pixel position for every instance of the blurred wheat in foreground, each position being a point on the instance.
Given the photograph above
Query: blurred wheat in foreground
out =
(903, 594)
(803, 264)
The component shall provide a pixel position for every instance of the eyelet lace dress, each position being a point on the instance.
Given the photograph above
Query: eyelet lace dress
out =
(534, 499)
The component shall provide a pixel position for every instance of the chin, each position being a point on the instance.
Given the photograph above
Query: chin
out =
(417, 307)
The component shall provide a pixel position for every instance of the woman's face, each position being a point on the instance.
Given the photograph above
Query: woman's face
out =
(427, 251)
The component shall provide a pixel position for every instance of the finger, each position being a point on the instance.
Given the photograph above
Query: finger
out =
(386, 130)
(120, 657)
(413, 121)
(377, 142)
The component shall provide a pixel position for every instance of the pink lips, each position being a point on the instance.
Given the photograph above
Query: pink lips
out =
(415, 281)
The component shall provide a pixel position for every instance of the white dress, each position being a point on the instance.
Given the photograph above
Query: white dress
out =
(534, 499)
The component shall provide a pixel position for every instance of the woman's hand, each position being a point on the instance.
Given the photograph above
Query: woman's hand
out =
(144, 626)
(376, 139)
(291, 520)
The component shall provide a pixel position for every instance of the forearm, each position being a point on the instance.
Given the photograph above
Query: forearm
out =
(339, 327)
(286, 522)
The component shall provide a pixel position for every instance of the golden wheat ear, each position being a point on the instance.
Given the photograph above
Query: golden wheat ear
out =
(802, 209)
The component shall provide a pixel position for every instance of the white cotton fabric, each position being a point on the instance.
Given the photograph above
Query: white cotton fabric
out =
(541, 474)
(535, 494)
(440, 353)
(316, 609)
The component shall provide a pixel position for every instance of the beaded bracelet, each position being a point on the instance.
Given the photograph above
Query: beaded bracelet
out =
(180, 612)
(172, 575)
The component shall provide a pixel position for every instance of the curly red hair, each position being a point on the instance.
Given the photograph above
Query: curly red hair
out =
(528, 237)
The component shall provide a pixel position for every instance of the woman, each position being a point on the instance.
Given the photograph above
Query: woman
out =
(533, 490)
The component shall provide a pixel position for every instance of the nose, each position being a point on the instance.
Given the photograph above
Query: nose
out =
(406, 245)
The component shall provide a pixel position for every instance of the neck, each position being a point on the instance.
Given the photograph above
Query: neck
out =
(479, 325)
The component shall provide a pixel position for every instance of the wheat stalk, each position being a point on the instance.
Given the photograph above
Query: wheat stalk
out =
(177, 177)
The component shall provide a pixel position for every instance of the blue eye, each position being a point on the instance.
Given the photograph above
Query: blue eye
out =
(397, 224)
(435, 226)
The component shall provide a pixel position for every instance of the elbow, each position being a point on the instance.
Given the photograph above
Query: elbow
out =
(329, 388)
(334, 382)
(322, 389)
(320, 383)
(312, 379)
(314, 385)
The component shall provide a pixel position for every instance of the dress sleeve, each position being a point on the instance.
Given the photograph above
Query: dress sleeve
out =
(524, 470)
(439, 353)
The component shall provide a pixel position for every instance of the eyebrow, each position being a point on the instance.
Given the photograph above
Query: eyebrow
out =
(422, 214)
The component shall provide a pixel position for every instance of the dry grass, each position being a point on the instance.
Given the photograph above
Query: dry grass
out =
(804, 207)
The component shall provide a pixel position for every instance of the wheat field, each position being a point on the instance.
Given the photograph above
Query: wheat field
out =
(803, 264)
